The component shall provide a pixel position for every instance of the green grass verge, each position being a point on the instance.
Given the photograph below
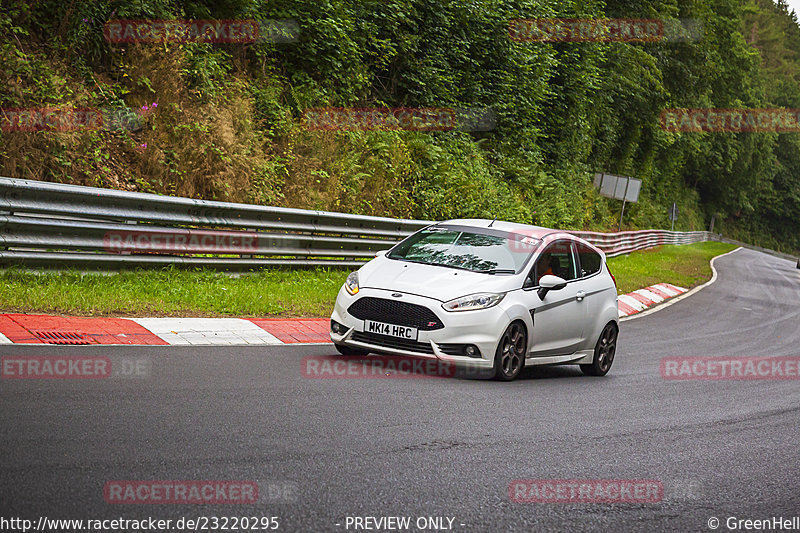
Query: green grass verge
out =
(174, 292)
(685, 266)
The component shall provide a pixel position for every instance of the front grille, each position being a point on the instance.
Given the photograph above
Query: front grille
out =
(394, 312)
(391, 342)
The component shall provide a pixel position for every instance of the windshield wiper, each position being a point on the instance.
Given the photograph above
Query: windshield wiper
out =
(431, 264)
(447, 265)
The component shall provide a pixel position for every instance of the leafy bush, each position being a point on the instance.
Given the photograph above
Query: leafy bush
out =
(229, 118)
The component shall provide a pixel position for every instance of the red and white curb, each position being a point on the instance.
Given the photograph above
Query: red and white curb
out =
(639, 300)
(46, 329)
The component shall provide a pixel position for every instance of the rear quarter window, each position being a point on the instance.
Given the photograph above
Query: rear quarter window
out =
(590, 260)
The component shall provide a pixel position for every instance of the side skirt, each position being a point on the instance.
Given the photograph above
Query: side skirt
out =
(577, 358)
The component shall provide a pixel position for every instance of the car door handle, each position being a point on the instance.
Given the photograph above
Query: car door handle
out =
(580, 295)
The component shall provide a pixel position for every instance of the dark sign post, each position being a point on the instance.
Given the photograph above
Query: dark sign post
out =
(618, 187)
(673, 214)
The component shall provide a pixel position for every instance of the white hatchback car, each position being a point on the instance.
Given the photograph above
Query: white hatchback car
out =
(487, 294)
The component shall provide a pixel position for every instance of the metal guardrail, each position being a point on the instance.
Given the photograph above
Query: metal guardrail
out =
(52, 224)
(720, 238)
(625, 242)
(45, 224)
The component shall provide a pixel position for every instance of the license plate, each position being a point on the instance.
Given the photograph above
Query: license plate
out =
(392, 330)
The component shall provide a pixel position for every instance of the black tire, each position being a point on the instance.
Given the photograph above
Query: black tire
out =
(347, 350)
(604, 352)
(509, 358)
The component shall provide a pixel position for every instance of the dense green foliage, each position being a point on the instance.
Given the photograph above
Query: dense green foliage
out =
(228, 124)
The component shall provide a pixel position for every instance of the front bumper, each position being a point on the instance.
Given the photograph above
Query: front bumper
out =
(481, 328)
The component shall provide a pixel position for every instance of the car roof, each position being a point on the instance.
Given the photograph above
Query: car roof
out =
(547, 235)
(537, 232)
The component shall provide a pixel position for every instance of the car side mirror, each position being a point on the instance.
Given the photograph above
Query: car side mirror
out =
(550, 283)
(381, 253)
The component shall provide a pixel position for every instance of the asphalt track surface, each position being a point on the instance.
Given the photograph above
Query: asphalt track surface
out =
(431, 447)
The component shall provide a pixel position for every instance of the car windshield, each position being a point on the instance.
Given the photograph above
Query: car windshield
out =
(475, 249)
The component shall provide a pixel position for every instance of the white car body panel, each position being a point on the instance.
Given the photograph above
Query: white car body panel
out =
(440, 283)
(562, 328)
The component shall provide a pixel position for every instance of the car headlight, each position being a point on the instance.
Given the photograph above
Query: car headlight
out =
(351, 284)
(481, 300)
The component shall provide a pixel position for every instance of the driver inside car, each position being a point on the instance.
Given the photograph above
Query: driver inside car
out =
(543, 268)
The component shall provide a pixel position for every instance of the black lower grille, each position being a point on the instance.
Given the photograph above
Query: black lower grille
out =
(395, 312)
(459, 349)
(385, 341)
(452, 349)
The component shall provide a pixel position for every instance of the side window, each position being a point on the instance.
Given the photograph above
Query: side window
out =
(557, 260)
(590, 260)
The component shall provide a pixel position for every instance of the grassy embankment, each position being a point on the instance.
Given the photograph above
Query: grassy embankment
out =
(274, 293)
(685, 266)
